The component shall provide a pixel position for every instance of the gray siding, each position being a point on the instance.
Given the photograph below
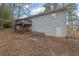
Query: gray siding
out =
(49, 24)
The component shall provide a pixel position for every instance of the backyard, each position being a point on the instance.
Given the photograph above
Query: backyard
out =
(29, 44)
(49, 18)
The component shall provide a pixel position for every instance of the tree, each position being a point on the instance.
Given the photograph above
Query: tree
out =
(55, 5)
(50, 6)
(4, 11)
(47, 6)
(71, 13)
(11, 11)
(20, 9)
(5, 14)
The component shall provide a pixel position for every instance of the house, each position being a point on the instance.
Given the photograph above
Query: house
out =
(52, 23)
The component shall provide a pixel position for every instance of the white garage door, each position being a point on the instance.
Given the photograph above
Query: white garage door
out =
(59, 31)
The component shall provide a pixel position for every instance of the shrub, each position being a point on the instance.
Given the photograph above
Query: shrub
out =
(40, 34)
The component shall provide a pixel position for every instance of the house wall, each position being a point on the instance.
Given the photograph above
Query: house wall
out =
(51, 25)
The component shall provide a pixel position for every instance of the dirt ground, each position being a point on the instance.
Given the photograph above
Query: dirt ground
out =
(29, 44)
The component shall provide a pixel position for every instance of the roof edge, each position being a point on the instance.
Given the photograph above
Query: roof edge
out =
(45, 13)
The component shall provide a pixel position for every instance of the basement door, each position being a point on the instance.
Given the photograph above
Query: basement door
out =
(59, 31)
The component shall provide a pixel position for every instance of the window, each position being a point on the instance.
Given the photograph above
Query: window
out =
(54, 15)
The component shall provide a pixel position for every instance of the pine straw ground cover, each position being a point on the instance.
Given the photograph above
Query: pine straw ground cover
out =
(29, 44)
